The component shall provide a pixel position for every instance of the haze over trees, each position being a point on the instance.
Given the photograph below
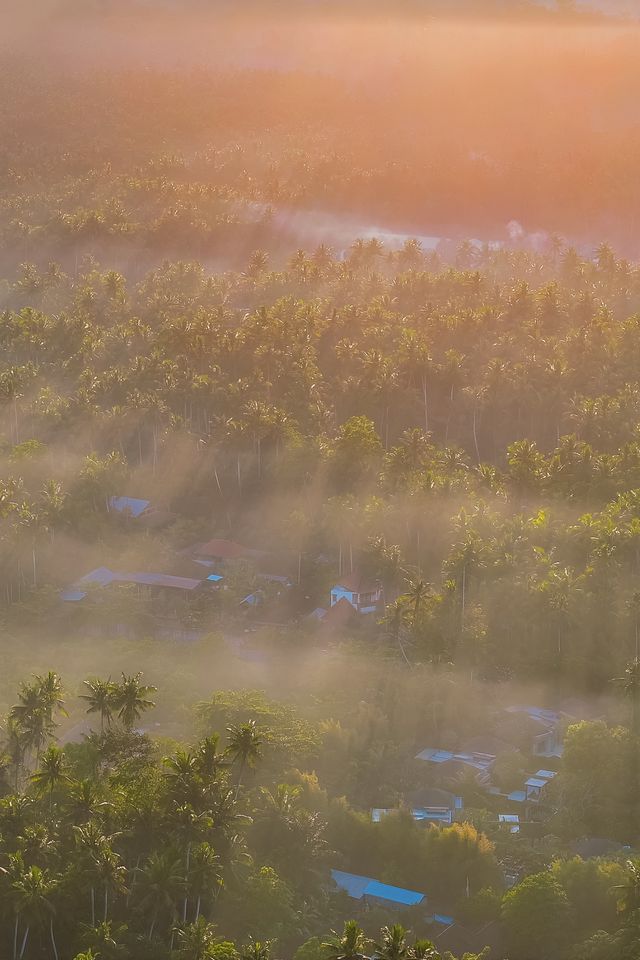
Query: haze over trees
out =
(350, 296)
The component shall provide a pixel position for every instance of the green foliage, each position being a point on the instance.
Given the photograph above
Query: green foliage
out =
(535, 915)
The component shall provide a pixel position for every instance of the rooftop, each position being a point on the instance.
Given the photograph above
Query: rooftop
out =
(479, 761)
(355, 582)
(102, 577)
(130, 505)
(358, 887)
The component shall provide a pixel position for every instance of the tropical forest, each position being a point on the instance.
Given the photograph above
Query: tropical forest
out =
(319, 480)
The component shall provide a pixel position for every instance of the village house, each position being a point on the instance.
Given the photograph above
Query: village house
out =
(148, 582)
(143, 511)
(534, 730)
(364, 594)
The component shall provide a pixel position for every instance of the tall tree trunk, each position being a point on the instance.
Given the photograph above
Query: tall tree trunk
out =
(426, 404)
(475, 432)
(198, 907)
(53, 939)
(106, 902)
(24, 943)
(186, 881)
(15, 937)
(240, 772)
(93, 907)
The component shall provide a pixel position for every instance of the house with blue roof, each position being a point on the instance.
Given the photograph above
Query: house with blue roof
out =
(129, 506)
(368, 890)
(363, 594)
(442, 815)
(537, 730)
(154, 583)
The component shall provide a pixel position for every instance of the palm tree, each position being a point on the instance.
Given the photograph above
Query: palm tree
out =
(85, 800)
(31, 717)
(101, 699)
(256, 950)
(348, 946)
(31, 893)
(196, 940)
(629, 899)
(105, 941)
(394, 943)
(630, 685)
(417, 593)
(423, 950)
(205, 875)
(396, 618)
(245, 744)
(50, 687)
(51, 773)
(111, 873)
(207, 759)
(131, 699)
(161, 886)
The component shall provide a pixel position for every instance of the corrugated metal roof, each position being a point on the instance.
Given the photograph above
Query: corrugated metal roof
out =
(103, 576)
(351, 883)
(536, 782)
(131, 505)
(480, 761)
(358, 887)
(518, 796)
(382, 891)
(158, 580)
(433, 814)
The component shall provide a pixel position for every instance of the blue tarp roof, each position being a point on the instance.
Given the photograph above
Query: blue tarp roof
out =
(545, 774)
(518, 796)
(382, 891)
(129, 505)
(351, 883)
(536, 782)
(439, 814)
(444, 920)
(359, 887)
(536, 713)
(480, 761)
(215, 577)
(73, 595)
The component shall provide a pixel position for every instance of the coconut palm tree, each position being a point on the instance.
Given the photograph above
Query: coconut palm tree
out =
(245, 745)
(630, 686)
(51, 772)
(161, 886)
(393, 945)
(32, 893)
(256, 950)
(195, 940)
(110, 873)
(629, 891)
(423, 950)
(205, 877)
(132, 699)
(101, 699)
(350, 945)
